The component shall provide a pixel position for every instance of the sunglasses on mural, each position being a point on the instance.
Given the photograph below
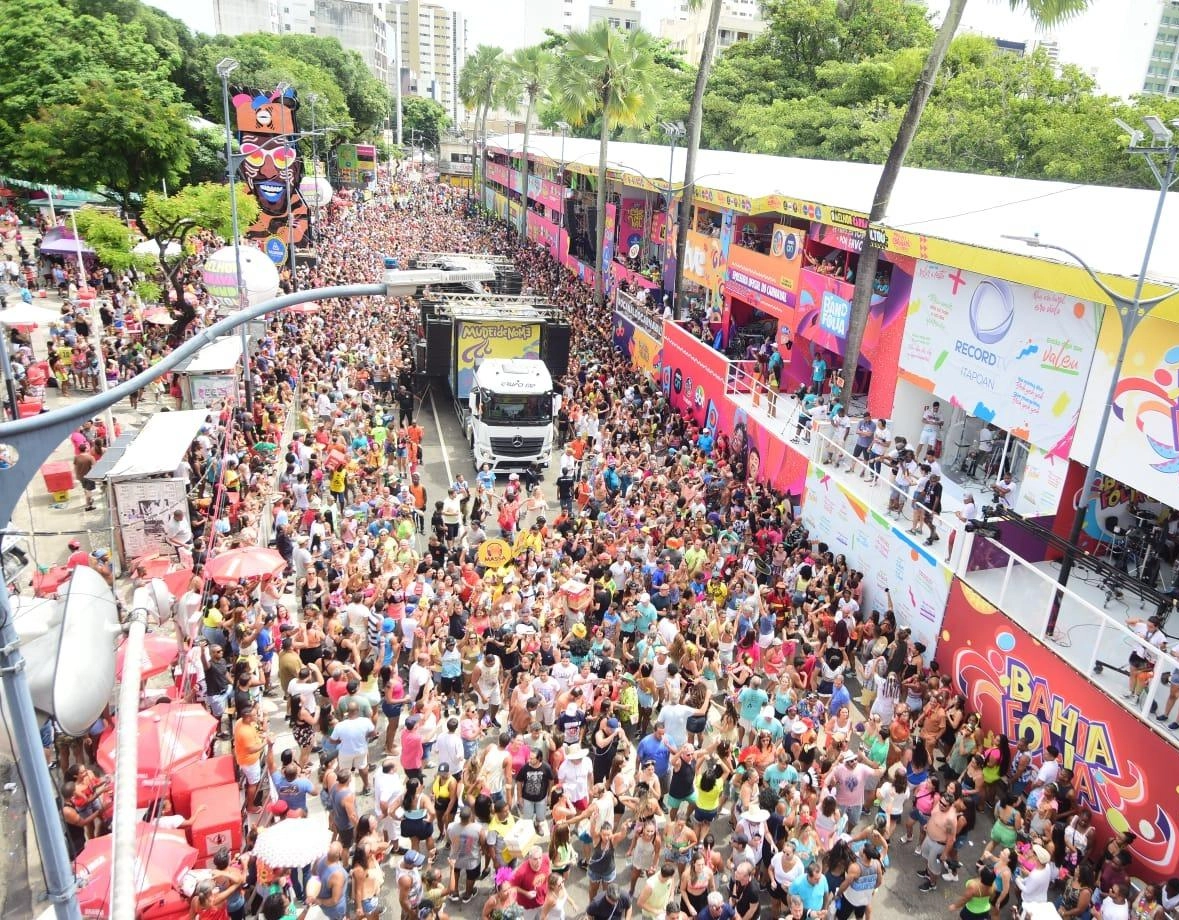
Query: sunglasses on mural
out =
(281, 157)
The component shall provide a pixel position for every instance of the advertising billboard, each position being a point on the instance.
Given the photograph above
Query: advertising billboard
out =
(1012, 355)
(768, 282)
(1023, 689)
(477, 340)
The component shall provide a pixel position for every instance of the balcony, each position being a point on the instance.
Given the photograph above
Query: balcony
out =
(1010, 571)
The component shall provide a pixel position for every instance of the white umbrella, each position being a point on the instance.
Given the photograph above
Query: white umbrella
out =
(25, 314)
(151, 248)
(293, 843)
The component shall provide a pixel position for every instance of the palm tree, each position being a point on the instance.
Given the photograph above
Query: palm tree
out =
(479, 85)
(1046, 13)
(607, 73)
(528, 71)
(695, 118)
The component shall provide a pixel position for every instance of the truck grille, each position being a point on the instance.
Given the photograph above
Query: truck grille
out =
(516, 447)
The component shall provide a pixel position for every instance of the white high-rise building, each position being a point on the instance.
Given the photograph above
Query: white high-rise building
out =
(360, 26)
(621, 14)
(239, 17)
(432, 45)
(1162, 66)
(739, 20)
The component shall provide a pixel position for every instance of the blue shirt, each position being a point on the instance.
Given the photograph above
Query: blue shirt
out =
(487, 478)
(294, 793)
(751, 700)
(839, 697)
(812, 895)
(656, 750)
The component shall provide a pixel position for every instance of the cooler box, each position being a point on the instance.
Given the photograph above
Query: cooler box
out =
(174, 906)
(215, 771)
(59, 479)
(220, 824)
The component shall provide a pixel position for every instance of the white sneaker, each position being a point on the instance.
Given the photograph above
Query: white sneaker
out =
(950, 876)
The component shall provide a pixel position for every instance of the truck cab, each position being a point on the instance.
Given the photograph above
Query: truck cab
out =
(510, 411)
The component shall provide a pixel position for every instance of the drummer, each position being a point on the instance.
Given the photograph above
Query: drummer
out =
(1003, 489)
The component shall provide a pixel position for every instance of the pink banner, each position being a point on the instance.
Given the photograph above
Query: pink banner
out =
(543, 231)
(497, 172)
(693, 375)
(622, 273)
(546, 192)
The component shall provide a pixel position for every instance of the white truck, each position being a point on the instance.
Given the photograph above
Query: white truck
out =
(508, 417)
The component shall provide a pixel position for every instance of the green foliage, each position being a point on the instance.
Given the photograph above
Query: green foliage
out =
(207, 161)
(148, 291)
(110, 238)
(423, 119)
(603, 71)
(115, 139)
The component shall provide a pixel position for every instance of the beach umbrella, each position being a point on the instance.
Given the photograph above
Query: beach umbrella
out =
(25, 314)
(151, 248)
(244, 562)
(259, 276)
(293, 842)
(159, 652)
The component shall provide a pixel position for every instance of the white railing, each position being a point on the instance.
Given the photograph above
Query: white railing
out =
(1089, 638)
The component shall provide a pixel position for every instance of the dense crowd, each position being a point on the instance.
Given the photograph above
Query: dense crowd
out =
(653, 702)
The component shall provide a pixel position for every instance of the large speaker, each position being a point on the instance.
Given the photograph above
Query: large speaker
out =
(556, 349)
(437, 363)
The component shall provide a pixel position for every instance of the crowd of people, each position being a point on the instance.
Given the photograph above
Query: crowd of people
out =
(648, 712)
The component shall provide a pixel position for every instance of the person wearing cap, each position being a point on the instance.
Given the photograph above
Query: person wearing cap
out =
(574, 774)
(77, 556)
(1033, 885)
(848, 779)
(409, 882)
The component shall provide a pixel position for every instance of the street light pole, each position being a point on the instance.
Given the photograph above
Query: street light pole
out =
(95, 322)
(1130, 312)
(674, 131)
(313, 98)
(565, 128)
(225, 67)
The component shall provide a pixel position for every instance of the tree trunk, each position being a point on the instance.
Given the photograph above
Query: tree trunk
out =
(870, 252)
(474, 149)
(524, 172)
(483, 156)
(695, 119)
(599, 273)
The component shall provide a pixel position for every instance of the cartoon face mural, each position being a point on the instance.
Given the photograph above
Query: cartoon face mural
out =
(271, 167)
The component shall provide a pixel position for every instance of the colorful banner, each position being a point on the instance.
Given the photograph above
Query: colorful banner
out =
(1023, 689)
(633, 278)
(824, 302)
(543, 232)
(1011, 355)
(918, 581)
(608, 242)
(477, 340)
(497, 172)
(693, 376)
(1141, 443)
(633, 339)
(144, 507)
(769, 283)
(632, 224)
(704, 261)
(366, 159)
(546, 192)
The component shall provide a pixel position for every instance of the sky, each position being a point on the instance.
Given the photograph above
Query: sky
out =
(1110, 40)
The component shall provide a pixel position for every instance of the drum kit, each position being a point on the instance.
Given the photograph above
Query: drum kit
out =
(1136, 550)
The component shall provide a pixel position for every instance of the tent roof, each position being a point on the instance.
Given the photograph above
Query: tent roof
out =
(159, 447)
(222, 355)
(1107, 226)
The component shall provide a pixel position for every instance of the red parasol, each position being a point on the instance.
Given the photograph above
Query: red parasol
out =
(159, 652)
(244, 562)
(161, 859)
(158, 317)
(153, 564)
(304, 308)
(170, 737)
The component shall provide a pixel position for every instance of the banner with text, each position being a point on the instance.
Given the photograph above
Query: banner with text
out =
(477, 340)
(638, 335)
(1023, 689)
(769, 283)
(917, 580)
(144, 506)
(1012, 355)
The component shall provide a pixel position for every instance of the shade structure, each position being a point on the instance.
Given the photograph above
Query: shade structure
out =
(158, 317)
(66, 247)
(151, 248)
(159, 653)
(259, 276)
(170, 736)
(25, 314)
(161, 859)
(243, 563)
(312, 307)
(293, 843)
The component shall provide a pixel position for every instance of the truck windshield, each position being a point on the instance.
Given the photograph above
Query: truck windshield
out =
(512, 409)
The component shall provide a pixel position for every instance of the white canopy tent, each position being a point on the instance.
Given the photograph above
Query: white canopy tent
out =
(221, 355)
(159, 447)
(211, 375)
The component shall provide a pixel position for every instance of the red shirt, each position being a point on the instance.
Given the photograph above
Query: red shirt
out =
(335, 690)
(411, 751)
(525, 878)
(78, 557)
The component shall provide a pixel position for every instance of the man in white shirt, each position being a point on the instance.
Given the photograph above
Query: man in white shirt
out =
(419, 674)
(563, 672)
(574, 774)
(176, 530)
(448, 747)
(931, 428)
(388, 788)
(353, 734)
(1151, 636)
